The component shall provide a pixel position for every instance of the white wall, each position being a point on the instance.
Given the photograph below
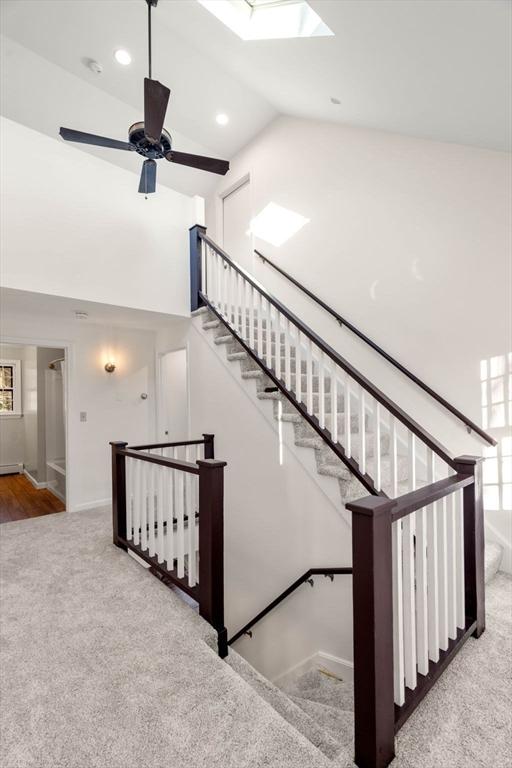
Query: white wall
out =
(115, 410)
(409, 239)
(74, 225)
(278, 520)
(30, 408)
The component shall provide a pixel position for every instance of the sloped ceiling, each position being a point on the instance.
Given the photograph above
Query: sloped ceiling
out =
(438, 70)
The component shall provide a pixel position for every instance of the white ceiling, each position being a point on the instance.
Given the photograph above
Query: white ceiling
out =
(430, 68)
(62, 309)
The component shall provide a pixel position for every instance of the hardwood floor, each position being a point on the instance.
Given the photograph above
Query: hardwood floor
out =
(19, 499)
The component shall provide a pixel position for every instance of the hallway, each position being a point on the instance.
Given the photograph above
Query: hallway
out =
(19, 499)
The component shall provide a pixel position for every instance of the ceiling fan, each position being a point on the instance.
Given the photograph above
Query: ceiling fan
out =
(150, 139)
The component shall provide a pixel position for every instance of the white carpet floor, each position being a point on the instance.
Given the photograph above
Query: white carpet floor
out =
(104, 667)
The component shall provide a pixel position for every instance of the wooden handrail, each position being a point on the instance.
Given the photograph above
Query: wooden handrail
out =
(365, 383)
(472, 427)
(279, 599)
(184, 466)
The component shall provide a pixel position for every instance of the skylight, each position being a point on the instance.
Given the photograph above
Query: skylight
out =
(268, 19)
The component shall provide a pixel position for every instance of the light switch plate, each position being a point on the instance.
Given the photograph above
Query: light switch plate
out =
(83, 415)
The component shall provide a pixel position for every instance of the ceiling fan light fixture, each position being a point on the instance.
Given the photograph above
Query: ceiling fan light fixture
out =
(122, 57)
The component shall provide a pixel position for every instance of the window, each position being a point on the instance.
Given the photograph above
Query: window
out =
(268, 19)
(10, 380)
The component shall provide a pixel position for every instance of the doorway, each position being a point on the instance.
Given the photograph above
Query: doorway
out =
(33, 431)
(236, 221)
(173, 412)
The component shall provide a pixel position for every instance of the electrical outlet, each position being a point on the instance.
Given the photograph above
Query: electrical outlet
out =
(83, 415)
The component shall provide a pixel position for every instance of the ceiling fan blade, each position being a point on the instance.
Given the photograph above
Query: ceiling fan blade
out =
(198, 161)
(156, 98)
(147, 183)
(90, 138)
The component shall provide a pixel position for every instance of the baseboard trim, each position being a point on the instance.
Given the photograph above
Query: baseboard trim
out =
(321, 660)
(91, 505)
(33, 481)
(11, 469)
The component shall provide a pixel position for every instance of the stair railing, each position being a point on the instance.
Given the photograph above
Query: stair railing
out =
(167, 508)
(418, 595)
(344, 323)
(337, 401)
(418, 557)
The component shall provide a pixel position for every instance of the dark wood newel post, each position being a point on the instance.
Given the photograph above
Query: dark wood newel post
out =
(211, 547)
(209, 451)
(118, 493)
(196, 278)
(474, 541)
(372, 588)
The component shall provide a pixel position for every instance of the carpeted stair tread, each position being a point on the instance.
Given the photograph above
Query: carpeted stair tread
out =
(339, 723)
(323, 688)
(493, 555)
(286, 707)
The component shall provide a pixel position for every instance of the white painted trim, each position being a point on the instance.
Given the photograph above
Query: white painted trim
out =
(492, 534)
(11, 469)
(321, 660)
(33, 481)
(91, 505)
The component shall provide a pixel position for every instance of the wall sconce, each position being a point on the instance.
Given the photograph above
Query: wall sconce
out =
(110, 367)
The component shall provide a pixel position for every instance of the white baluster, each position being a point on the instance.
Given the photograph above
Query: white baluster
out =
(169, 515)
(287, 360)
(243, 308)
(432, 569)
(151, 508)
(259, 315)
(459, 523)
(309, 376)
(393, 452)
(144, 506)
(443, 575)
(160, 513)
(347, 438)
(298, 368)
(180, 532)
(321, 390)
(130, 479)
(376, 437)
(137, 500)
(398, 614)
(268, 323)
(251, 316)
(451, 557)
(421, 591)
(278, 345)
(409, 586)
(334, 404)
(362, 431)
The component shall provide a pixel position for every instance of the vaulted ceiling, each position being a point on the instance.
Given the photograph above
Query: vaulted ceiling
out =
(438, 70)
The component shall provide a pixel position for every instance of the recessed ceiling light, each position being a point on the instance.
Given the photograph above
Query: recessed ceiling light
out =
(122, 57)
(222, 119)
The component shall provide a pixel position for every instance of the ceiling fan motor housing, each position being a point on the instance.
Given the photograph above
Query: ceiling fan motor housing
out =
(145, 147)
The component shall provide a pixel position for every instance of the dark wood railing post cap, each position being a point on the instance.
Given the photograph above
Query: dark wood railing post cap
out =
(199, 227)
(372, 506)
(208, 435)
(466, 464)
(118, 444)
(211, 463)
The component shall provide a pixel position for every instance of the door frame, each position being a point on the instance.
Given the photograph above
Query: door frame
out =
(226, 192)
(159, 410)
(67, 347)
